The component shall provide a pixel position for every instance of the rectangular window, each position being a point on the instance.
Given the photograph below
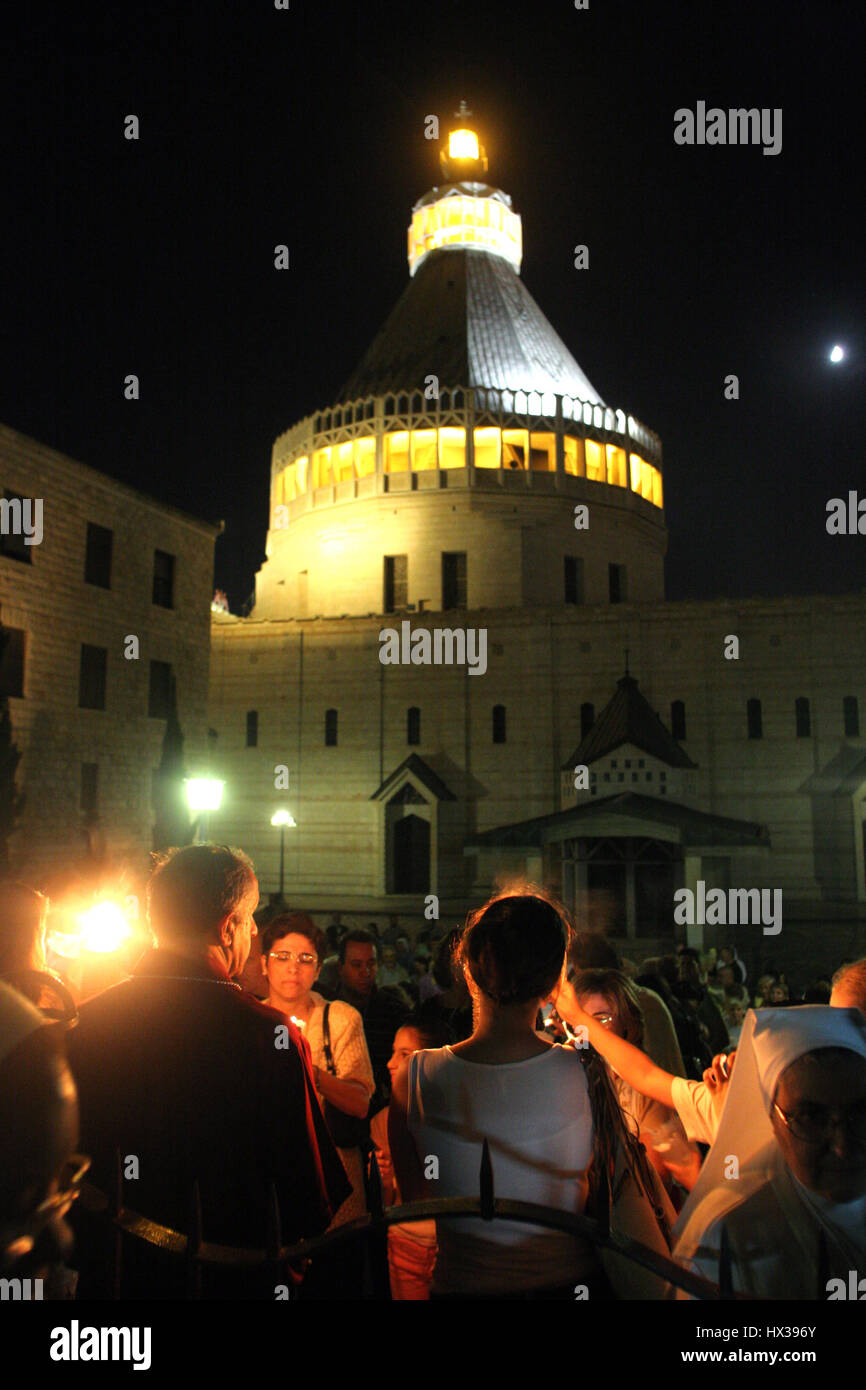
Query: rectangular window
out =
(754, 719)
(12, 648)
(89, 803)
(573, 579)
(802, 717)
(453, 579)
(851, 716)
(159, 690)
(252, 728)
(413, 726)
(163, 579)
(97, 557)
(330, 728)
(499, 724)
(396, 582)
(16, 513)
(616, 583)
(92, 677)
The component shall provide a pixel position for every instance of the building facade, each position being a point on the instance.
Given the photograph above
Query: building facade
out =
(103, 608)
(469, 480)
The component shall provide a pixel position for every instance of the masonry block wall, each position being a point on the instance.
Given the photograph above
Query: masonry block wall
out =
(58, 611)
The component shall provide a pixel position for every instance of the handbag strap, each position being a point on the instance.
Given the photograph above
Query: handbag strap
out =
(326, 1041)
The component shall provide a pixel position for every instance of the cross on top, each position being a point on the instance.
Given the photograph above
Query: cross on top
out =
(464, 110)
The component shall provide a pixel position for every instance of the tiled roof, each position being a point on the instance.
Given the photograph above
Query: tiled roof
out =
(467, 318)
(425, 775)
(628, 718)
(697, 828)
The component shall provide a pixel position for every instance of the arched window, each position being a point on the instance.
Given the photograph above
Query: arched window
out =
(587, 718)
(413, 726)
(252, 728)
(678, 720)
(753, 717)
(330, 728)
(802, 717)
(498, 723)
(851, 716)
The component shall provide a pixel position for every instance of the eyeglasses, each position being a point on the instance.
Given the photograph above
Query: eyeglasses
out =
(286, 957)
(812, 1123)
(604, 1019)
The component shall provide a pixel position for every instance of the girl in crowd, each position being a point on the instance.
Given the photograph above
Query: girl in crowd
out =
(411, 1245)
(292, 949)
(554, 1128)
(610, 998)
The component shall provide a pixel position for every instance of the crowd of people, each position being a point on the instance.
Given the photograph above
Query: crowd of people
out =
(234, 1087)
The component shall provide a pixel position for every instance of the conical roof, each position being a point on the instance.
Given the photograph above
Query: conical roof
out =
(467, 318)
(628, 718)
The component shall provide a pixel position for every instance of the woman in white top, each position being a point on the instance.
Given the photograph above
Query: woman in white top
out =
(528, 1097)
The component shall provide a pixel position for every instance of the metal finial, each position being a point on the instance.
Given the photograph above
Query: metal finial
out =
(464, 110)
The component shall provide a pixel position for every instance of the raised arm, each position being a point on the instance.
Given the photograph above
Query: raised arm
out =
(629, 1062)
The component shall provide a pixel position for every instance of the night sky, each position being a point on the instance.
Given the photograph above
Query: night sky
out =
(261, 126)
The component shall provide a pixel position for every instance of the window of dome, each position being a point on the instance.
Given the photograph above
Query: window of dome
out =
(423, 450)
(487, 441)
(365, 456)
(543, 455)
(616, 469)
(515, 449)
(452, 447)
(596, 468)
(344, 468)
(397, 452)
(322, 467)
(574, 462)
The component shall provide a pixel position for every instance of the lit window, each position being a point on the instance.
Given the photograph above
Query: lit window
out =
(397, 452)
(365, 457)
(616, 471)
(487, 442)
(658, 496)
(322, 468)
(452, 447)
(543, 455)
(344, 466)
(515, 448)
(595, 463)
(574, 463)
(423, 450)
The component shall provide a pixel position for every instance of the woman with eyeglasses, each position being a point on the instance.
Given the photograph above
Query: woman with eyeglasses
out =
(293, 948)
(785, 1181)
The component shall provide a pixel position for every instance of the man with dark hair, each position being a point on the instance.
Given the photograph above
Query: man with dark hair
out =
(196, 1079)
(383, 1010)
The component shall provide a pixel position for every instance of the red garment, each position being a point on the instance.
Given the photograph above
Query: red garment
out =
(180, 1068)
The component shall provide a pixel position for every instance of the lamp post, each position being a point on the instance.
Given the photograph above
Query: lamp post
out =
(203, 794)
(282, 818)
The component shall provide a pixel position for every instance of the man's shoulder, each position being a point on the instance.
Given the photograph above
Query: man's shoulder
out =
(389, 1000)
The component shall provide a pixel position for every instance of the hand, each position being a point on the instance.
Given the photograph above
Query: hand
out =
(719, 1074)
(565, 1001)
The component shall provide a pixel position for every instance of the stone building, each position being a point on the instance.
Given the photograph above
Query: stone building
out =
(467, 480)
(105, 565)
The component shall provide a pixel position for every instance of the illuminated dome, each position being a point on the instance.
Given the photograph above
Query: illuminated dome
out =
(466, 315)
(467, 461)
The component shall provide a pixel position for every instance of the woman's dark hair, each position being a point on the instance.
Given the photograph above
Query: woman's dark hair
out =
(294, 924)
(515, 947)
(617, 987)
(433, 1030)
(445, 960)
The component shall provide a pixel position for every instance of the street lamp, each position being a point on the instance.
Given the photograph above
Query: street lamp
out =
(282, 819)
(203, 794)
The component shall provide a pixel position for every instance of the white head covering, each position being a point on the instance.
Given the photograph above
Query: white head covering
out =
(770, 1041)
(18, 1017)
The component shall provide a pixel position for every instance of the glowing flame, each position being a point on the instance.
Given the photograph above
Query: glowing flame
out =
(103, 927)
(463, 144)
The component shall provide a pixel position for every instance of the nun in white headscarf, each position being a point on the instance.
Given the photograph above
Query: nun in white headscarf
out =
(784, 1185)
